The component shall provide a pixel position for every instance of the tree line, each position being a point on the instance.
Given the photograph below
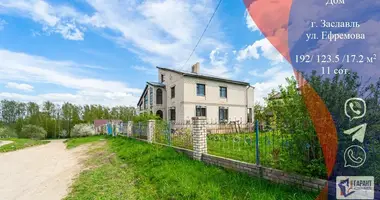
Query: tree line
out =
(57, 120)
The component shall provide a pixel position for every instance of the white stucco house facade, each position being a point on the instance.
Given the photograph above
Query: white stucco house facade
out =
(179, 96)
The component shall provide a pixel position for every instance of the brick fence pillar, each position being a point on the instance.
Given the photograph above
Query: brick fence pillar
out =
(150, 132)
(199, 137)
(129, 128)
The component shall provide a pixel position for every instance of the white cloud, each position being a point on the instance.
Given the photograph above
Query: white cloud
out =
(267, 73)
(34, 69)
(274, 77)
(147, 70)
(19, 86)
(68, 31)
(218, 64)
(2, 24)
(251, 25)
(160, 32)
(55, 19)
(218, 58)
(267, 50)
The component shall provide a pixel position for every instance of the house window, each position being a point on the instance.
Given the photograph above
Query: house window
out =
(159, 96)
(146, 101)
(172, 114)
(201, 89)
(172, 91)
(249, 117)
(223, 114)
(151, 96)
(162, 78)
(223, 92)
(200, 111)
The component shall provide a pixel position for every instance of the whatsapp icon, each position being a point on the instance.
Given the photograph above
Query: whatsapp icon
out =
(355, 108)
(354, 156)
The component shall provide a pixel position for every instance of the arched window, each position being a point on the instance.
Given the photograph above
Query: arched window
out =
(159, 96)
(160, 114)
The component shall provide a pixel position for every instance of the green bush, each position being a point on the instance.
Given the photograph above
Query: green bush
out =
(83, 130)
(6, 132)
(33, 132)
(144, 117)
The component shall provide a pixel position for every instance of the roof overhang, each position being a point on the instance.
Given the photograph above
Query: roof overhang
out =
(142, 95)
(205, 76)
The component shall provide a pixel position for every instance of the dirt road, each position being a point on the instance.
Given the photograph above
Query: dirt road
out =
(39, 173)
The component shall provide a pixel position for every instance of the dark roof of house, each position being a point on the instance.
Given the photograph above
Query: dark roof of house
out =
(204, 76)
(156, 84)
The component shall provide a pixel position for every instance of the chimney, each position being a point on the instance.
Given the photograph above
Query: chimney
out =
(195, 68)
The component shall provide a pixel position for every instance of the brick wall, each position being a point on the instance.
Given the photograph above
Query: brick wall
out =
(274, 175)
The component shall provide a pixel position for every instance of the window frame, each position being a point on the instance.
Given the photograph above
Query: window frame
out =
(146, 101)
(220, 92)
(204, 89)
(171, 110)
(249, 115)
(151, 96)
(172, 92)
(159, 101)
(201, 109)
(225, 112)
(162, 78)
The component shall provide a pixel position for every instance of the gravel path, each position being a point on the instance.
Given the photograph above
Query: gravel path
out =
(39, 173)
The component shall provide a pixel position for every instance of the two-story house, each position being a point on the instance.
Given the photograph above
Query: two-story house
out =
(180, 95)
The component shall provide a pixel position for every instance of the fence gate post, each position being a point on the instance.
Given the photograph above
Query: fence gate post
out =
(257, 143)
(129, 128)
(199, 133)
(150, 133)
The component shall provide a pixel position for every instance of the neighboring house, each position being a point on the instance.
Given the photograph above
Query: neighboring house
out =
(179, 96)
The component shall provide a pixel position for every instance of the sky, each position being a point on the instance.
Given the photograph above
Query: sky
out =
(104, 51)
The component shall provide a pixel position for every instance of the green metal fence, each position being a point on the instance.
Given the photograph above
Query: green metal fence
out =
(291, 150)
(177, 134)
(139, 130)
(297, 151)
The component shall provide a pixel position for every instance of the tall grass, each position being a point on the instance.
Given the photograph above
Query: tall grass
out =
(162, 173)
(74, 142)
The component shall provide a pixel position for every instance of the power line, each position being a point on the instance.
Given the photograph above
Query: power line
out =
(208, 24)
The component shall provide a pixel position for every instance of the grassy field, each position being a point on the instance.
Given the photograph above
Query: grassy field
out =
(74, 142)
(106, 177)
(20, 144)
(123, 168)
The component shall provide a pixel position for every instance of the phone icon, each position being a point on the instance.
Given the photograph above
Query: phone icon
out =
(354, 156)
(352, 107)
(355, 108)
